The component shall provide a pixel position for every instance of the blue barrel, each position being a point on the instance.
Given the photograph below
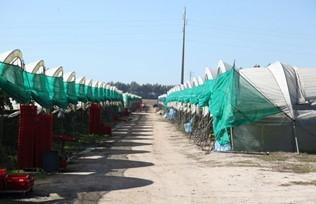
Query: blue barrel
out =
(51, 161)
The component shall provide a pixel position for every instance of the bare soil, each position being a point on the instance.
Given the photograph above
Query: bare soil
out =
(147, 160)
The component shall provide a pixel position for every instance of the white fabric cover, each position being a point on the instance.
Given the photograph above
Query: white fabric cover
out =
(95, 84)
(70, 77)
(307, 78)
(56, 72)
(200, 80)
(263, 80)
(81, 80)
(12, 57)
(89, 82)
(37, 67)
(188, 84)
(283, 85)
(210, 73)
(195, 82)
(223, 67)
(102, 85)
(286, 81)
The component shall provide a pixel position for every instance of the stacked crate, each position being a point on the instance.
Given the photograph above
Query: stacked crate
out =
(96, 125)
(27, 121)
(94, 118)
(35, 137)
(43, 137)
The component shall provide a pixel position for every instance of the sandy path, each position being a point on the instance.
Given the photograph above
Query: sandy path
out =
(182, 173)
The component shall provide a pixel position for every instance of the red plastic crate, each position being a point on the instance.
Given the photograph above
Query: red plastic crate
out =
(42, 137)
(3, 173)
(62, 164)
(19, 183)
(94, 118)
(65, 138)
(104, 129)
(25, 154)
(126, 113)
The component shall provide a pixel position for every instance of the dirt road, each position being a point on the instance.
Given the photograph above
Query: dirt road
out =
(147, 160)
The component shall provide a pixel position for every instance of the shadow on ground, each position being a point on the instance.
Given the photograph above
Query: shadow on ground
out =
(129, 144)
(83, 189)
(95, 173)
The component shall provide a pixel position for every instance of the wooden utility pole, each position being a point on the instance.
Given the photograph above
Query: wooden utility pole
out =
(183, 44)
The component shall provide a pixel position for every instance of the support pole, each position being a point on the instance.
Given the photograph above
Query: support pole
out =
(295, 137)
(231, 138)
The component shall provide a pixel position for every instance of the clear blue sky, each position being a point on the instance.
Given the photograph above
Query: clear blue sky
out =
(140, 41)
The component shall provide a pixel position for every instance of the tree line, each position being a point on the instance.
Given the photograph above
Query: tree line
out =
(146, 91)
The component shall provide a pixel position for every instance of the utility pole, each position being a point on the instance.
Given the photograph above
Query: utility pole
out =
(183, 44)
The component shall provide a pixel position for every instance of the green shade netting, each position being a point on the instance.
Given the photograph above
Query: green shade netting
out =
(120, 97)
(24, 86)
(236, 102)
(89, 95)
(14, 82)
(114, 97)
(95, 94)
(129, 100)
(126, 101)
(47, 91)
(39, 89)
(107, 94)
(205, 93)
(232, 100)
(183, 96)
(101, 94)
(71, 92)
(194, 95)
(111, 95)
(199, 95)
(57, 91)
(81, 90)
(117, 96)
